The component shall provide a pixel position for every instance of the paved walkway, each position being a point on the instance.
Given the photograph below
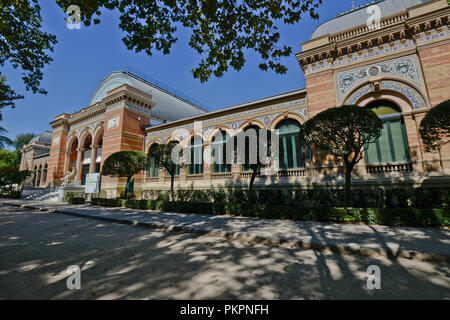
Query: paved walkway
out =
(391, 242)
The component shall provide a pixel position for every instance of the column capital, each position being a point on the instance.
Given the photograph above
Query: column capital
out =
(94, 146)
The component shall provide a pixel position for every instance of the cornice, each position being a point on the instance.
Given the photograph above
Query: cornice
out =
(393, 29)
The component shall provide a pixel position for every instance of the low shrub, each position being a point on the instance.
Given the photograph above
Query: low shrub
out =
(73, 194)
(11, 194)
(107, 202)
(75, 200)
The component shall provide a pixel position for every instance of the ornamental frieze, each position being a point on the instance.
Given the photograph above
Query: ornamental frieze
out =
(405, 67)
(230, 122)
(412, 94)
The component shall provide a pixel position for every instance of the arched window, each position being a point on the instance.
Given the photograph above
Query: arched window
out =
(44, 179)
(196, 166)
(392, 146)
(251, 146)
(39, 175)
(219, 153)
(291, 150)
(153, 170)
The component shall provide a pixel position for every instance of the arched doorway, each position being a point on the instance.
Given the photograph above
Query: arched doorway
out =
(392, 146)
(87, 158)
(73, 154)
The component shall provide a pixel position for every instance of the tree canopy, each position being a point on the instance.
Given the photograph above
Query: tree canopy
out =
(221, 32)
(435, 127)
(4, 140)
(23, 44)
(344, 132)
(9, 169)
(124, 164)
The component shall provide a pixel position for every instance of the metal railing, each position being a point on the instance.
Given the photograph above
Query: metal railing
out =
(165, 87)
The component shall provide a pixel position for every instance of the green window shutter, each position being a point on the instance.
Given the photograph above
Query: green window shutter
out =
(291, 152)
(392, 146)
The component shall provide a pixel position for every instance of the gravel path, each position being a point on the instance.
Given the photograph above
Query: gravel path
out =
(390, 242)
(122, 262)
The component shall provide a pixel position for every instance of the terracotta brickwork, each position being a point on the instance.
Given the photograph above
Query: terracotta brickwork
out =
(435, 62)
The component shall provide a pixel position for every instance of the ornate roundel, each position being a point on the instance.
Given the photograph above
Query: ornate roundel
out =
(374, 71)
(235, 125)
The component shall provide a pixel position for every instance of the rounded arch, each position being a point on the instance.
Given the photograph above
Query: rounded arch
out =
(250, 123)
(72, 138)
(84, 137)
(151, 144)
(213, 133)
(98, 133)
(275, 122)
(404, 93)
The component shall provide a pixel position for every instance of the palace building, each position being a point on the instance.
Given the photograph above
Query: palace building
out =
(400, 70)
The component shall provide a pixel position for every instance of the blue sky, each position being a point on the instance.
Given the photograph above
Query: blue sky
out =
(82, 58)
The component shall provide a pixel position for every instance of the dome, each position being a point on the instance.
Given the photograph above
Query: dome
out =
(44, 137)
(358, 16)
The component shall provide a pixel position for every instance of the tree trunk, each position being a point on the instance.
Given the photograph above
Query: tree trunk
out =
(348, 189)
(250, 187)
(126, 187)
(172, 178)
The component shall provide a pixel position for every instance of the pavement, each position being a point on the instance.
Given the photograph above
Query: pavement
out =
(425, 244)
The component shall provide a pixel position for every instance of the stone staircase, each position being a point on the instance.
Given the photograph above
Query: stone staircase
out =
(47, 194)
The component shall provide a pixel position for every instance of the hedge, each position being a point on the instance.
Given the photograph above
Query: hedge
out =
(382, 216)
(400, 198)
(76, 200)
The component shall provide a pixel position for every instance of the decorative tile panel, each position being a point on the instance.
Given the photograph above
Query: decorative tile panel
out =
(415, 97)
(405, 67)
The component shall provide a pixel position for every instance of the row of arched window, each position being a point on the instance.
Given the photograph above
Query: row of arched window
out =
(40, 175)
(391, 147)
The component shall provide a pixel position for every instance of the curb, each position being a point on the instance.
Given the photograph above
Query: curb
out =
(349, 249)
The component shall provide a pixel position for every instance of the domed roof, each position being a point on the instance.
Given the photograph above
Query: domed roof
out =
(359, 16)
(44, 137)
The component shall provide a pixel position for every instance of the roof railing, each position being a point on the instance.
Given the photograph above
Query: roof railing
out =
(166, 88)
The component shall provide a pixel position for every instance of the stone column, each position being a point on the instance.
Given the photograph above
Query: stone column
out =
(66, 163)
(93, 158)
(79, 166)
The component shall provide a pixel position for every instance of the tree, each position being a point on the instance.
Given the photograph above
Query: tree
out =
(4, 140)
(162, 155)
(435, 127)
(249, 151)
(222, 32)
(20, 141)
(125, 164)
(9, 169)
(344, 132)
(23, 44)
